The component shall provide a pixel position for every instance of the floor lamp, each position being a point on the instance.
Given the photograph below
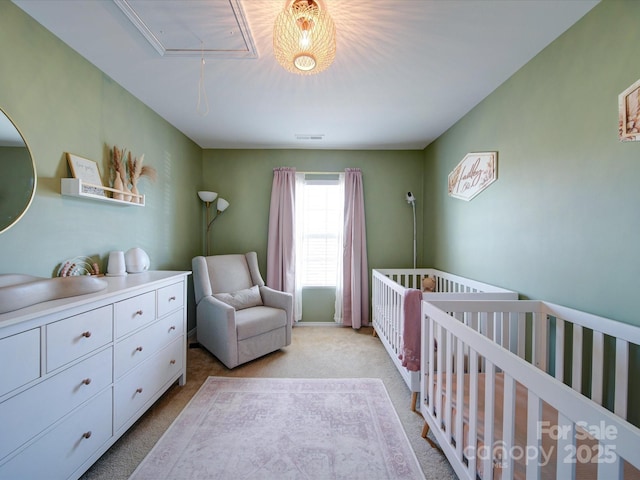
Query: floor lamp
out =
(208, 198)
(412, 200)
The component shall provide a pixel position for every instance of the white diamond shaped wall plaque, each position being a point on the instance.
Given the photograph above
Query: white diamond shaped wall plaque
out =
(474, 173)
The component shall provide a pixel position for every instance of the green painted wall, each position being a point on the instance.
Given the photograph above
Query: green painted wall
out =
(244, 178)
(62, 103)
(562, 222)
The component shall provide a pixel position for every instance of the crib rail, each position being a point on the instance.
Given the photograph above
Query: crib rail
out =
(446, 283)
(530, 346)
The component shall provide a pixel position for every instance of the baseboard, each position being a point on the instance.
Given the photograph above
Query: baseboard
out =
(317, 324)
(191, 334)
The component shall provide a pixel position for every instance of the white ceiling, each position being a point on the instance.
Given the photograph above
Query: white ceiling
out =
(405, 70)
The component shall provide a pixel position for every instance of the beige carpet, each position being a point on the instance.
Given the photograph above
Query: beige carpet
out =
(315, 352)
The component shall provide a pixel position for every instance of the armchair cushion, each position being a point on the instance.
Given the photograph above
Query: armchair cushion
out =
(245, 298)
(253, 322)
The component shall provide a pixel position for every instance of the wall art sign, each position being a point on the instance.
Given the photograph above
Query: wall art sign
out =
(474, 173)
(629, 110)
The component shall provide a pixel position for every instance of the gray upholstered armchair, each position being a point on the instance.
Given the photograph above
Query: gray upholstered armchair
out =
(238, 318)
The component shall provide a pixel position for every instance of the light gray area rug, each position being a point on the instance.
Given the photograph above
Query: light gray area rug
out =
(284, 428)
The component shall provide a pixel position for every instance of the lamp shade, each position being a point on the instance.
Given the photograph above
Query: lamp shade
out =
(207, 196)
(304, 37)
(222, 204)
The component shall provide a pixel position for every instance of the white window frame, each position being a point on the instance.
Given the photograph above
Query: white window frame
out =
(302, 213)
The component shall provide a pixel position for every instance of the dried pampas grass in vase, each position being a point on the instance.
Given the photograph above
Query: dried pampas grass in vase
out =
(118, 168)
(137, 170)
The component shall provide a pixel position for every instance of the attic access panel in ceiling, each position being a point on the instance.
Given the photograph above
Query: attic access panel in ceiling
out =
(217, 28)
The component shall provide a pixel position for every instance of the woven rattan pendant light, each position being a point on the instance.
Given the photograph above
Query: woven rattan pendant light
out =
(304, 37)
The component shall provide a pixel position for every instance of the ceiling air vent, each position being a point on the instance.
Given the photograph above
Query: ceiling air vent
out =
(309, 136)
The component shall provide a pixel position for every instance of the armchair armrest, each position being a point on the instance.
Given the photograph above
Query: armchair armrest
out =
(216, 329)
(278, 299)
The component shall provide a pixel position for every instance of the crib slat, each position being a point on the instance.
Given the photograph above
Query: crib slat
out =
(431, 364)
(565, 465)
(597, 367)
(473, 321)
(498, 328)
(611, 469)
(483, 325)
(473, 407)
(522, 332)
(489, 404)
(508, 424)
(439, 369)
(513, 332)
(504, 320)
(622, 374)
(576, 360)
(459, 398)
(539, 348)
(534, 414)
(559, 349)
(449, 374)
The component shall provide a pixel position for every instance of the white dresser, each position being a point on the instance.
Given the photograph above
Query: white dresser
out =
(76, 373)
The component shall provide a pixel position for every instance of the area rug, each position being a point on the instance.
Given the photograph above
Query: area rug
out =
(284, 428)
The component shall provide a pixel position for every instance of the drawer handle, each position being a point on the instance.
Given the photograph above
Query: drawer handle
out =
(86, 334)
(139, 312)
(139, 349)
(86, 434)
(172, 362)
(172, 327)
(172, 298)
(139, 390)
(86, 381)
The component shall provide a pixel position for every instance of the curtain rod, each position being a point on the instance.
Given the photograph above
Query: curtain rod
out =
(320, 173)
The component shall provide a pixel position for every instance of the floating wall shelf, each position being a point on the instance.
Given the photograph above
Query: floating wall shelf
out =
(75, 187)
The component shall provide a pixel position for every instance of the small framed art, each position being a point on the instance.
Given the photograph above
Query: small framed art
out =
(629, 111)
(87, 171)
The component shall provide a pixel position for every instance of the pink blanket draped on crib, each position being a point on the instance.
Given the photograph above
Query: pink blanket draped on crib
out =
(410, 351)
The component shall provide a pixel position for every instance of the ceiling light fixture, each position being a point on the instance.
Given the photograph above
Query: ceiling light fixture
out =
(304, 37)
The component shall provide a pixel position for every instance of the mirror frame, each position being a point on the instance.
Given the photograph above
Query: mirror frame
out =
(35, 176)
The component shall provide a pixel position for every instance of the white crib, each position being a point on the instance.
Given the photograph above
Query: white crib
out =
(388, 288)
(515, 389)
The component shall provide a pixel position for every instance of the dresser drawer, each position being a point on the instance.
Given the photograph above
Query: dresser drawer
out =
(61, 451)
(26, 347)
(134, 390)
(170, 298)
(31, 411)
(136, 348)
(135, 312)
(76, 336)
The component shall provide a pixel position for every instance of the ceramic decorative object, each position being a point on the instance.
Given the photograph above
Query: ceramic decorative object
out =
(136, 260)
(116, 265)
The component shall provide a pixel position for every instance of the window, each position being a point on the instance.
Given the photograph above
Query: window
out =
(319, 224)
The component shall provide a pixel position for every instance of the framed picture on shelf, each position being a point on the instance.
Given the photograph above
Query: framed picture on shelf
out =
(87, 171)
(629, 111)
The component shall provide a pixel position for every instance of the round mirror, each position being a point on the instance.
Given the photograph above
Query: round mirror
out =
(17, 174)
